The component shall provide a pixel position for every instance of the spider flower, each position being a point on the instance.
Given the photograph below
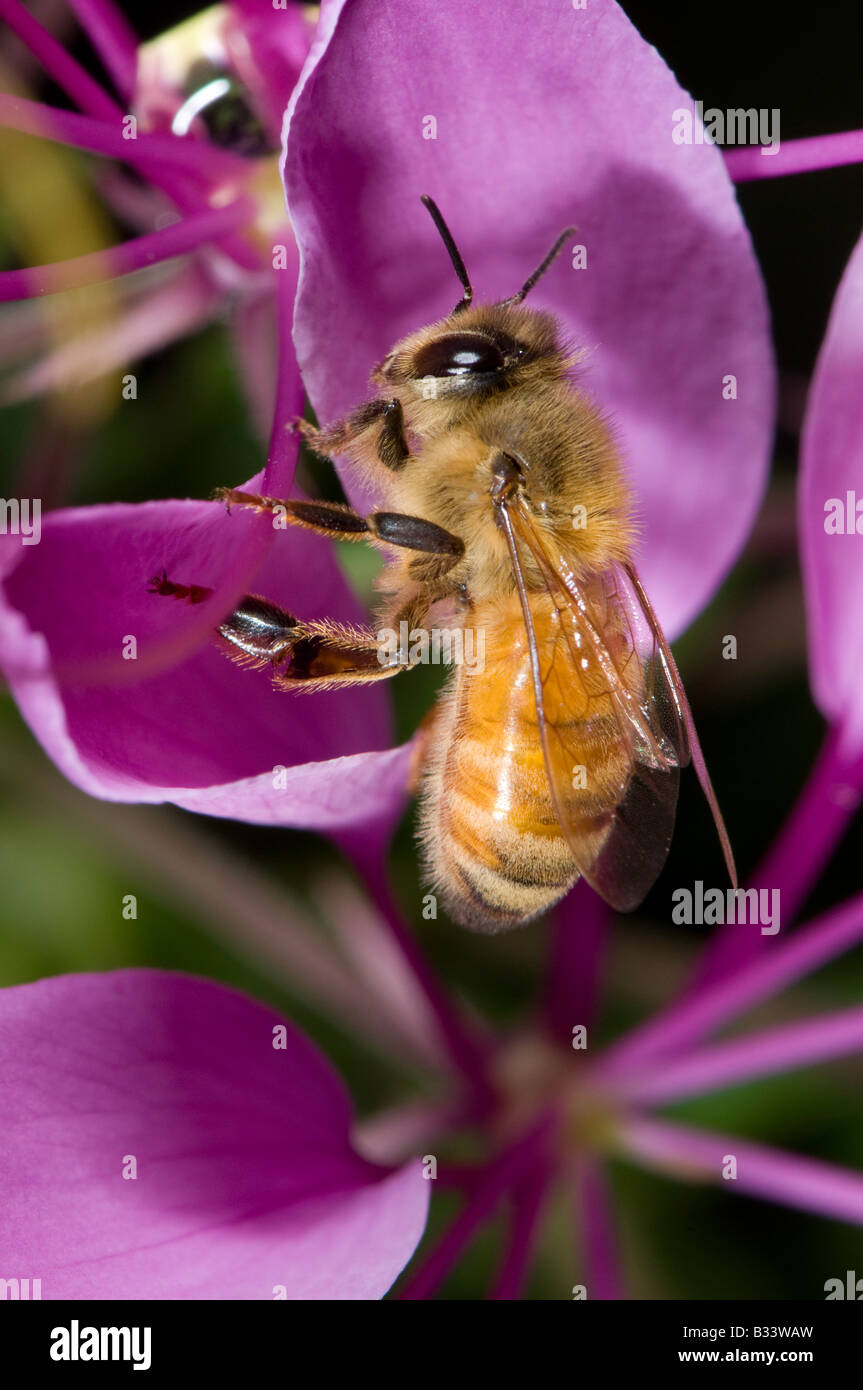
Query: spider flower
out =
(562, 1110)
(516, 129)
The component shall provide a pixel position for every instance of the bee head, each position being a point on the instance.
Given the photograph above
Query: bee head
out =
(477, 348)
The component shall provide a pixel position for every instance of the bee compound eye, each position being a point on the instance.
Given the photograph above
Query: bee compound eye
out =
(458, 354)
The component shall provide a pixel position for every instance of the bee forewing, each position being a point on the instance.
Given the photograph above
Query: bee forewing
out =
(691, 743)
(611, 717)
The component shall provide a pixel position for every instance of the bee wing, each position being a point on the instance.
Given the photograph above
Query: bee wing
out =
(692, 744)
(615, 682)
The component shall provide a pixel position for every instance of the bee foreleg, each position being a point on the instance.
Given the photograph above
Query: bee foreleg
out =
(392, 445)
(428, 569)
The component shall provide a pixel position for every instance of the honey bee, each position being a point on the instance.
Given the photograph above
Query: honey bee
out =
(506, 507)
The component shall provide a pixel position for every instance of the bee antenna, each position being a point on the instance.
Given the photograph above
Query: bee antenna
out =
(452, 250)
(540, 270)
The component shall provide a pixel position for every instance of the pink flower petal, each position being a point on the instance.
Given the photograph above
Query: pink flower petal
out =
(531, 133)
(181, 723)
(246, 1182)
(832, 468)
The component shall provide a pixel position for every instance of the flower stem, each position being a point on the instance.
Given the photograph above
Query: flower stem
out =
(499, 1178)
(579, 937)
(816, 824)
(283, 447)
(231, 902)
(191, 158)
(794, 1181)
(600, 1245)
(795, 156)
(528, 1199)
(766, 1053)
(468, 1054)
(115, 42)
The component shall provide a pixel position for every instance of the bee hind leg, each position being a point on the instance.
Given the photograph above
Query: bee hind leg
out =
(257, 633)
(304, 655)
(320, 653)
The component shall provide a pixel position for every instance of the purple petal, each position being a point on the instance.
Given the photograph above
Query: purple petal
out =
(771, 1174)
(181, 723)
(532, 134)
(832, 468)
(694, 1017)
(768, 1053)
(364, 792)
(246, 1179)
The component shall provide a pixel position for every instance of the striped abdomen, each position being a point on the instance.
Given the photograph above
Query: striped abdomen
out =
(492, 841)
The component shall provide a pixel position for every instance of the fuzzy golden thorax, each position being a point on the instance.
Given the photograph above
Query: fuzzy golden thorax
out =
(529, 409)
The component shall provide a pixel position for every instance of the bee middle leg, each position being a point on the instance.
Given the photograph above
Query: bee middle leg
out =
(334, 519)
(340, 522)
